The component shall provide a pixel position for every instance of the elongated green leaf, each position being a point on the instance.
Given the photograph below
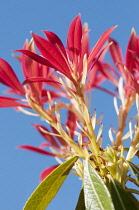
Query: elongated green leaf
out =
(81, 205)
(135, 170)
(120, 197)
(46, 191)
(97, 196)
(134, 199)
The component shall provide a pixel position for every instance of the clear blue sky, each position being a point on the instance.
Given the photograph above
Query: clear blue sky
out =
(20, 169)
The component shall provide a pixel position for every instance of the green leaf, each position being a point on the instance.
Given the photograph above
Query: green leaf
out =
(81, 205)
(120, 197)
(97, 196)
(134, 199)
(135, 170)
(47, 190)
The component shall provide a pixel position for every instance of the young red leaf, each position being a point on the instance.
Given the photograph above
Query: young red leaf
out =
(53, 95)
(105, 70)
(71, 123)
(11, 102)
(53, 56)
(8, 77)
(84, 51)
(35, 57)
(100, 43)
(35, 149)
(95, 77)
(43, 145)
(39, 79)
(115, 52)
(74, 38)
(54, 39)
(132, 46)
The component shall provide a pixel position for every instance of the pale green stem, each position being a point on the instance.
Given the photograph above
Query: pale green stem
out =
(133, 149)
(92, 137)
(54, 124)
(126, 108)
(93, 146)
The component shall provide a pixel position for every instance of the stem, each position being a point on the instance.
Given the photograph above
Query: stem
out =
(134, 181)
(133, 149)
(92, 138)
(126, 108)
(56, 125)
(94, 146)
(132, 191)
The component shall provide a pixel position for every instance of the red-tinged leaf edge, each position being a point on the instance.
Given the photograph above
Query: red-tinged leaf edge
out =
(35, 149)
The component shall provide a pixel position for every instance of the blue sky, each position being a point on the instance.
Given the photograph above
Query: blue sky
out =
(20, 169)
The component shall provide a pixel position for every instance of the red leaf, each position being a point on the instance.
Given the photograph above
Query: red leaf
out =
(8, 77)
(53, 56)
(35, 149)
(39, 79)
(74, 38)
(84, 50)
(53, 94)
(132, 46)
(35, 57)
(54, 39)
(85, 43)
(100, 43)
(71, 123)
(93, 77)
(46, 172)
(115, 52)
(11, 102)
(42, 145)
(32, 68)
(107, 91)
(26, 61)
(104, 68)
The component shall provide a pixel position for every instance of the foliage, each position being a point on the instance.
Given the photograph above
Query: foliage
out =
(72, 73)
